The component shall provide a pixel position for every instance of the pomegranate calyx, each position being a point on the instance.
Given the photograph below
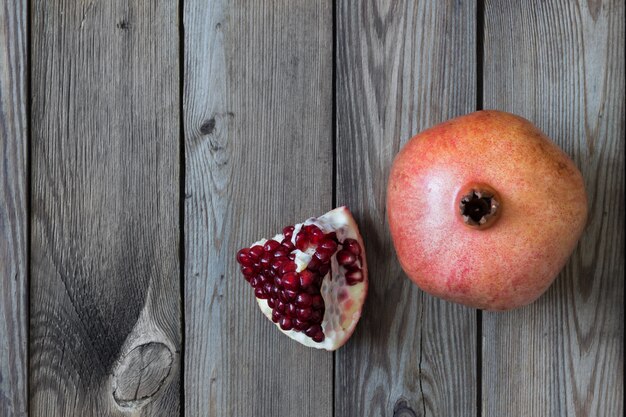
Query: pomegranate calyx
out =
(479, 206)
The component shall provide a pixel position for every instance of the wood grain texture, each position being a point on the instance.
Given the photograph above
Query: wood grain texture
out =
(258, 149)
(13, 210)
(105, 206)
(402, 66)
(561, 65)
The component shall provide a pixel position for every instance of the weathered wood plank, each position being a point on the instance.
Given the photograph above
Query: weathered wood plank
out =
(258, 149)
(13, 210)
(561, 65)
(105, 300)
(401, 67)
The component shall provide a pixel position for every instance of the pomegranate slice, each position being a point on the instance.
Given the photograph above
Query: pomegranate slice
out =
(311, 279)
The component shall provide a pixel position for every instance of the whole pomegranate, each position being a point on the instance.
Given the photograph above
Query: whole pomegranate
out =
(311, 279)
(484, 210)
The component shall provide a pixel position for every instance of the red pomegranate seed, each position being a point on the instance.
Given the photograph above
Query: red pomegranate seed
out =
(247, 271)
(299, 324)
(266, 259)
(260, 280)
(277, 263)
(287, 245)
(314, 264)
(255, 252)
(304, 313)
(285, 323)
(319, 337)
(352, 245)
(302, 241)
(312, 229)
(243, 258)
(345, 257)
(259, 293)
(312, 290)
(316, 236)
(291, 281)
(246, 261)
(287, 267)
(289, 294)
(317, 302)
(267, 288)
(303, 300)
(271, 302)
(322, 255)
(281, 253)
(292, 256)
(278, 281)
(271, 246)
(313, 330)
(275, 292)
(317, 316)
(288, 231)
(307, 279)
(328, 245)
(318, 281)
(290, 310)
(276, 316)
(324, 270)
(255, 281)
(354, 276)
(280, 306)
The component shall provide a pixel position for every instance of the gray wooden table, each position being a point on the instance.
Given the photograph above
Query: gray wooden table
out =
(143, 142)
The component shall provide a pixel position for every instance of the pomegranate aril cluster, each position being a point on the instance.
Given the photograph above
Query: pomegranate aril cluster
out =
(294, 297)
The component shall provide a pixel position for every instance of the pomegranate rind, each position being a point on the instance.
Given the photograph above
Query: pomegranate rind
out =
(343, 302)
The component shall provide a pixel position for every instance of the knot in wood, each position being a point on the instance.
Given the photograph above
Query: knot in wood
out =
(208, 126)
(403, 409)
(141, 373)
(123, 24)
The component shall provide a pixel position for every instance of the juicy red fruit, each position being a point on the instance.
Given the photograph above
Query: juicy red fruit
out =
(311, 280)
(295, 296)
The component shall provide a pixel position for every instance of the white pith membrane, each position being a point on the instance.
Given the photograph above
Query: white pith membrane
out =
(342, 301)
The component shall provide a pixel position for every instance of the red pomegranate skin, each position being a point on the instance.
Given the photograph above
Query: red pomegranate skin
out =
(542, 212)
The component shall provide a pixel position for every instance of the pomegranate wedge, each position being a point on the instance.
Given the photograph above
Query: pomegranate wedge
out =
(311, 279)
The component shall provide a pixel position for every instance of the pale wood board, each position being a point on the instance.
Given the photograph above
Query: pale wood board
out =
(105, 317)
(561, 65)
(258, 156)
(13, 210)
(259, 115)
(401, 67)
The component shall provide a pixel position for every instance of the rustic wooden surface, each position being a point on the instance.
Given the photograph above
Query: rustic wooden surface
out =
(411, 352)
(561, 65)
(258, 149)
(13, 210)
(119, 292)
(105, 321)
